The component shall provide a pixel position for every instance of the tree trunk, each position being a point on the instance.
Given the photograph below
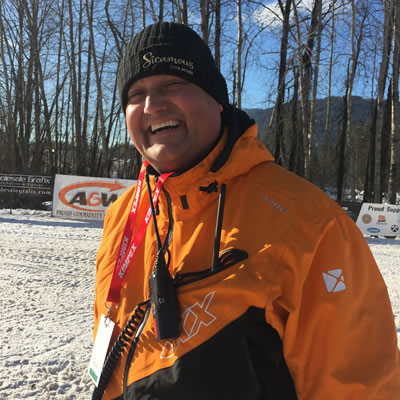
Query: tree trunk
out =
(385, 140)
(105, 138)
(23, 98)
(205, 19)
(161, 11)
(377, 186)
(10, 124)
(280, 150)
(144, 13)
(313, 104)
(74, 65)
(395, 131)
(342, 144)
(327, 137)
(217, 40)
(296, 155)
(239, 46)
(184, 14)
(355, 52)
(305, 74)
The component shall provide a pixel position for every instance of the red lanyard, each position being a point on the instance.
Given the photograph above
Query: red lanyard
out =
(128, 247)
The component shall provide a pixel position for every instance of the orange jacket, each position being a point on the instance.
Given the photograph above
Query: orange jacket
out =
(309, 291)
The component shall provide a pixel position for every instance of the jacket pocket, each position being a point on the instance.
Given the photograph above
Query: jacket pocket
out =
(227, 259)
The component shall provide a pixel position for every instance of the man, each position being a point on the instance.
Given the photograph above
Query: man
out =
(260, 286)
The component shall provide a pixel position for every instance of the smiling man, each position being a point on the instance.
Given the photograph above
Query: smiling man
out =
(221, 275)
(172, 122)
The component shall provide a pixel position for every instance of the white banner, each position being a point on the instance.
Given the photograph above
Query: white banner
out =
(379, 219)
(83, 197)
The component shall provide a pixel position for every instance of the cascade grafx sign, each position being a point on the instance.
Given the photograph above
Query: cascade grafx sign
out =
(82, 197)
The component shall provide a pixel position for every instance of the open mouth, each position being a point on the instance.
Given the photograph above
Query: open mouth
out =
(156, 128)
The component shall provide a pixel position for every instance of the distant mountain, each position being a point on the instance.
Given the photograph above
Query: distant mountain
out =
(361, 112)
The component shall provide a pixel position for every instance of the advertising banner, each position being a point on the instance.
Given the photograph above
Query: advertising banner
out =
(27, 185)
(379, 219)
(82, 197)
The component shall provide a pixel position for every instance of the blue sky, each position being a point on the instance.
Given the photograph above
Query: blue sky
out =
(261, 79)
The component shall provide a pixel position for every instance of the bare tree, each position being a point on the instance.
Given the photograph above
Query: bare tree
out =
(330, 71)
(75, 63)
(305, 57)
(24, 44)
(56, 139)
(23, 96)
(313, 103)
(97, 72)
(296, 153)
(179, 11)
(161, 11)
(143, 9)
(184, 9)
(58, 64)
(9, 120)
(279, 127)
(356, 41)
(377, 128)
(217, 38)
(239, 46)
(395, 132)
(205, 22)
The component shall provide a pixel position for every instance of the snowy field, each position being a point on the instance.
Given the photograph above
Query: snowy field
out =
(47, 280)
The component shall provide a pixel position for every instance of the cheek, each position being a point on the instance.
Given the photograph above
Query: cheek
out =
(132, 118)
(133, 114)
(133, 139)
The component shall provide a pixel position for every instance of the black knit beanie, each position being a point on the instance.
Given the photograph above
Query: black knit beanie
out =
(173, 49)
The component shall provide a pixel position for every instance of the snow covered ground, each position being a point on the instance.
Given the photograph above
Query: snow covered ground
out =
(47, 280)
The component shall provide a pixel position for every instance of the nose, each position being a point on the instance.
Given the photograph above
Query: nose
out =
(154, 102)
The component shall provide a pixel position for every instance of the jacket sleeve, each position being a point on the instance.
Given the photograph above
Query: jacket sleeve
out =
(337, 325)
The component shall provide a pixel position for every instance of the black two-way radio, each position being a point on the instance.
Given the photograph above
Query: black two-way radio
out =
(163, 300)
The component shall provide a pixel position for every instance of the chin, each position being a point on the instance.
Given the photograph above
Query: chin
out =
(163, 168)
(166, 163)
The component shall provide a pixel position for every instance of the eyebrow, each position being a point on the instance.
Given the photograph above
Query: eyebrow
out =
(137, 85)
(133, 88)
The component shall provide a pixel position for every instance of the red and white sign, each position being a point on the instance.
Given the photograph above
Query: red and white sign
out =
(83, 197)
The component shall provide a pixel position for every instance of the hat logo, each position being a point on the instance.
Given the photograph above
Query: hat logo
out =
(150, 59)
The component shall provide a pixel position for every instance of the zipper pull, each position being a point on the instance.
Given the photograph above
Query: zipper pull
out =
(218, 228)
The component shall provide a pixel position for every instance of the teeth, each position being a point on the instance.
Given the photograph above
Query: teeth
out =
(166, 124)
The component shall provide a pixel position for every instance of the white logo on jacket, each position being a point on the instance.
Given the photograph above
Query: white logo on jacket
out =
(334, 280)
(193, 318)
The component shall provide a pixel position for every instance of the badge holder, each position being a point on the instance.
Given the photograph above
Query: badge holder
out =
(101, 344)
(133, 326)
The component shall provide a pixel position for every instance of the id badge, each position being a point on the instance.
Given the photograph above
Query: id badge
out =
(99, 352)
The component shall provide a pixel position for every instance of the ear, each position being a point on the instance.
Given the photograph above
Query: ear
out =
(220, 108)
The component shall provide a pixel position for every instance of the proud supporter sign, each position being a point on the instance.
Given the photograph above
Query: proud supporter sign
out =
(379, 219)
(82, 197)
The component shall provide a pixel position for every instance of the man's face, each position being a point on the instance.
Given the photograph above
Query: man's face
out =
(173, 123)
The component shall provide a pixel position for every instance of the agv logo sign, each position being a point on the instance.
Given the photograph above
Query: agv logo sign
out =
(88, 196)
(85, 197)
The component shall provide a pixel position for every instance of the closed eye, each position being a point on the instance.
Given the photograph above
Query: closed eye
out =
(135, 96)
(175, 83)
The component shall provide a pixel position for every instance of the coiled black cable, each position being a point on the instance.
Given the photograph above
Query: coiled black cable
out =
(124, 338)
(132, 350)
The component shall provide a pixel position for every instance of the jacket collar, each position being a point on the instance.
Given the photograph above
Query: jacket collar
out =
(247, 152)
